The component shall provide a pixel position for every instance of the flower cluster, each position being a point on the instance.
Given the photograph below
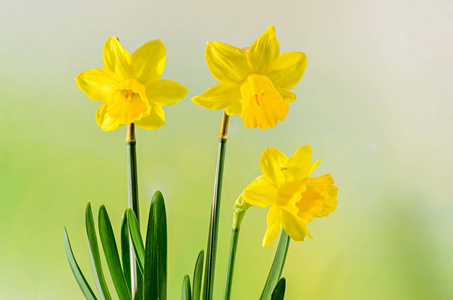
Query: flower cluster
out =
(255, 83)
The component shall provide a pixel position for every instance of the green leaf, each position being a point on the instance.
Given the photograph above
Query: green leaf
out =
(279, 291)
(83, 284)
(95, 258)
(155, 275)
(277, 266)
(139, 293)
(185, 294)
(111, 255)
(136, 237)
(198, 276)
(125, 250)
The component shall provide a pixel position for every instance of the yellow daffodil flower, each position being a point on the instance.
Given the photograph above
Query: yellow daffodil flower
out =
(294, 197)
(129, 86)
(255, 83)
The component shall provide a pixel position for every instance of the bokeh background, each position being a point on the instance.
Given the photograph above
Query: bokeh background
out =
(375, 103)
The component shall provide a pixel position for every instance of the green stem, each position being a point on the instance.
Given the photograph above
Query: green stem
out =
(239, 209)
(215, 211)
(230, 266)
(132, 195)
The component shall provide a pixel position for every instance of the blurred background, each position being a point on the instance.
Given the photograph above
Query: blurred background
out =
(375, 103)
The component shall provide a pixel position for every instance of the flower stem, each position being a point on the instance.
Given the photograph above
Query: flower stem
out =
(239, 209)
(215, 210)
(132, 195)
(231, 260)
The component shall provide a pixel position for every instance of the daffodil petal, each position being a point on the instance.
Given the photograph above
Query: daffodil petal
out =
(165, 92)
(299, 164)
(226, 63)
(319, 200)
(219, 96)
(260, 192)
(294, 227)
(116, 59)
(288, 69)
(97, 84)
(272, 165)
(264, 52)
(155, 119)
(103, 119)
(148, 61)
(234, 109)
(313, 166)
(274, 224)
(287, 95)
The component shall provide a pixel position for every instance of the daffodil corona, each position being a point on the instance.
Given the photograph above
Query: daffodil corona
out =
(129, 86)
(293, 196)
(255, 83)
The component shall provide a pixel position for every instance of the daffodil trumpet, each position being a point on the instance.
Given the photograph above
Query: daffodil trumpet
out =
(215, 211)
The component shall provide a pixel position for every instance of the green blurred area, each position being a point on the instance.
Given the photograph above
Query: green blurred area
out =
(375, 104)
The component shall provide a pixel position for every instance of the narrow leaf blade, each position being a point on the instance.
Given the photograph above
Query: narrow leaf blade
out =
(111, 255)
(137, 241)
(155, 273)
(125, 250)
(139, 293)
(81, 281)
(279, 291)
(185, 293)
(95, 258)
(277, 266)
(198, 276)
